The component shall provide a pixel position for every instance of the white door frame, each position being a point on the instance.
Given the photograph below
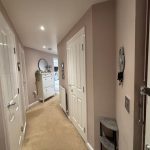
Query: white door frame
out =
(81, 31)
(23, 87)
(23, 65)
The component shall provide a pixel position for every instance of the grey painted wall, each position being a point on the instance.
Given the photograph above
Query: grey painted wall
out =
(103, 16)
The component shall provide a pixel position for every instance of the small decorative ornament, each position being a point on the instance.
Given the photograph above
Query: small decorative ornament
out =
(121, 65)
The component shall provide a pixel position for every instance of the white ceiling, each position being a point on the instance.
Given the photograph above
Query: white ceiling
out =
(57, 16)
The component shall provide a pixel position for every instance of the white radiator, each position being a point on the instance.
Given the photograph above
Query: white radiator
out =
(63, 98)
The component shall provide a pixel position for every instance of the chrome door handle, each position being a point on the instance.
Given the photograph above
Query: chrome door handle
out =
(11, 104)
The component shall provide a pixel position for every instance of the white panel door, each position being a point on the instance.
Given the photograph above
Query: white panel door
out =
(76, 81)
(9, 86)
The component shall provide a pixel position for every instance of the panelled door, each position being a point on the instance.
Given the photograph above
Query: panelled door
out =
(77, 81)
(9, 86)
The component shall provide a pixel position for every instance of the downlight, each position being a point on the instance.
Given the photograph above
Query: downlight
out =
(44, 46)
(42, 28)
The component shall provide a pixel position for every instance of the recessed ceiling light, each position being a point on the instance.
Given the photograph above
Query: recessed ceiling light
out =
(44, 46)
(42, 28)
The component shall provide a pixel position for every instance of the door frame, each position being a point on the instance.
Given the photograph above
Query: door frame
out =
(141, 62)
(22, 87)
(23, 66)
(81, 31)
(147, 51)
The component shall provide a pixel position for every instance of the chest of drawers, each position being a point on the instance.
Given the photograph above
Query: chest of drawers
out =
(45, 86)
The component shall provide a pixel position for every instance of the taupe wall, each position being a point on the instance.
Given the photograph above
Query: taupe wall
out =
(85, 21)
(32, 57)
(104, 63)
(99, 22)
(126, 37)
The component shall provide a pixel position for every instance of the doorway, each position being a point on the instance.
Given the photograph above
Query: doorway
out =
(77, 82)
(56, 75)
(142, 122)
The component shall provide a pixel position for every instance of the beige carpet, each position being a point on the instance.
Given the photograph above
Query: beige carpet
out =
(49, 129)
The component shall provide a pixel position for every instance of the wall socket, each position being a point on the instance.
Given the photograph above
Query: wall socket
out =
(127, 104)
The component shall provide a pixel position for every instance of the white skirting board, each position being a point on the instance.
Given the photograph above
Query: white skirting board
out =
(89, 146)
(23, 135)
(87, 143)
(34, 103)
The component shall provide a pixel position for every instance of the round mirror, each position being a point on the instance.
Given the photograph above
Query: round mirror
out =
(42, 64)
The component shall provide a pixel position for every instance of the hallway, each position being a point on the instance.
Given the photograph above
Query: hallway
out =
(91, 57)
(49, 129)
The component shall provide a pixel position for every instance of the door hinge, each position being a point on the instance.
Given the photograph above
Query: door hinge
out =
(82, 47)
(22, 128)
(144, 91)
(84, 130)
(18, 65)
(18, 90)
(83, 89)
(14, 50)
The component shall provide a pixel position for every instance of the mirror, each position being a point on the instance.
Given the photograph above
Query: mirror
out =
(42, 65)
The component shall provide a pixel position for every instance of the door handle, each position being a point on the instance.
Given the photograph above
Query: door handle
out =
(71, 90)
(11, 104)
